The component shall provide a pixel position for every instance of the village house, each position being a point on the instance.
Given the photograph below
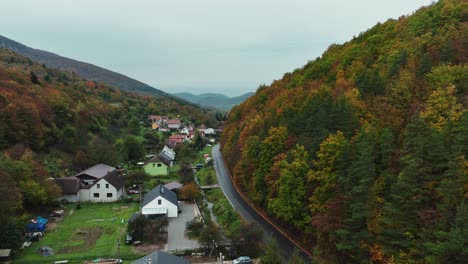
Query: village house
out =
(168, 154)
(157, 166)
(160, 201)
(96, 184)
(157, 119)
(176, 139)
(184, 131)
(209, 131)
(174, 124)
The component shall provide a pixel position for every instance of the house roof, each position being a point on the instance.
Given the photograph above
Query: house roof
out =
(160, 257)
(159, 158)
(113, 179)
(168, 153)
(173, 185)
(162, 191)
(69, 185)
(173, 122)
(165, 156)
(154, 117)
(97, 171)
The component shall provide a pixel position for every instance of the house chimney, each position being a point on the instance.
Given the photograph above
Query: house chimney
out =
(162, 189)
(149, 261)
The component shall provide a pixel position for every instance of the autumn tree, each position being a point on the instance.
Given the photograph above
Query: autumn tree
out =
(190, 192)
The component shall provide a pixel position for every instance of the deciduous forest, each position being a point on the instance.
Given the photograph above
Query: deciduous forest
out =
(361, 154)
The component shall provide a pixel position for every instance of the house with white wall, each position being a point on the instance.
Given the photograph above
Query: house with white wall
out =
(160, 202)
(96, 184)
(107, 189)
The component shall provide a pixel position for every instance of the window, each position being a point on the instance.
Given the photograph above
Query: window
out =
(159, 165)
(109, 195)
(107, 186)
(159, 201)
(154, 165)
(96, 195)
(98, 186)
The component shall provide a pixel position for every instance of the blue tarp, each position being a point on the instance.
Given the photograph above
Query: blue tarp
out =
(39, 226)
(41, 220)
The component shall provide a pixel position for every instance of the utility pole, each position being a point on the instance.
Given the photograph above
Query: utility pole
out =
(118, 248)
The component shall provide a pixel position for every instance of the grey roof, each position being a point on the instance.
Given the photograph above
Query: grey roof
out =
(160, 257)
(97, 171)
(173, 185)
(162, 191)
(69, 185)
(114, 179)
(168, 152)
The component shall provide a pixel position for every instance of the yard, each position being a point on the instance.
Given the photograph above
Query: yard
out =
(85, 234)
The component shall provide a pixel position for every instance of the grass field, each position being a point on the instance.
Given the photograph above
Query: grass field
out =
(85, 234)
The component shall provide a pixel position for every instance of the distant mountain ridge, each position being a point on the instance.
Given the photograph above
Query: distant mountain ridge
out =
(215, 100)
(82, 69)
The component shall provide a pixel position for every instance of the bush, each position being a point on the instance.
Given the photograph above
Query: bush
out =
(194, 227)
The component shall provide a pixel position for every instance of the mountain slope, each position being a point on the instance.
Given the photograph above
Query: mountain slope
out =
(218, 101)
(361, 153)
(85, 70)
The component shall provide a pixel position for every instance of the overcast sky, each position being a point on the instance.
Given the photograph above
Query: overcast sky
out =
(197, 46)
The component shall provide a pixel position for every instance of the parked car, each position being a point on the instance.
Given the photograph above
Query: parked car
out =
(132, 192)
(242, 260)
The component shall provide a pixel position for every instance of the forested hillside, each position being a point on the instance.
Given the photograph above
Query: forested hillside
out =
(53, 123)
(362, 153)
(83, 69)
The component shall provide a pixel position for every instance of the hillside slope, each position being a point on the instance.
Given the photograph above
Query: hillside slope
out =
(218, 101)
(82, 69)
(361, 153)
(53, 123)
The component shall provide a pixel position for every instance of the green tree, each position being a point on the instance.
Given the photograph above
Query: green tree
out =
(133, 126)
(130, 148)
(290, 205)
(271, 255)
(451, 246)
(209, 235)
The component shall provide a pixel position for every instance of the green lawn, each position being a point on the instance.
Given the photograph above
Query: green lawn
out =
(85, 234)
(200, 155)
(207, 176)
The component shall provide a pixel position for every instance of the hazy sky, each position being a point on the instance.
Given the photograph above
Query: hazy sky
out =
(196, 46)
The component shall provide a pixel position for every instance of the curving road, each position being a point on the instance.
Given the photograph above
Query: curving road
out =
(245, 210)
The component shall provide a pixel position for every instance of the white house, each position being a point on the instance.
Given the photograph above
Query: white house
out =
(174, 124)
(160, 201)
(184, 131)
(107, 189)
(210, 131)
(96, 184)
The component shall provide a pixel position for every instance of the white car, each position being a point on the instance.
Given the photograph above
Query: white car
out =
(242, 260)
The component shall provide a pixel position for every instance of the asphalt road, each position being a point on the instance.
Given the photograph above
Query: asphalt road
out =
(246, 211)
